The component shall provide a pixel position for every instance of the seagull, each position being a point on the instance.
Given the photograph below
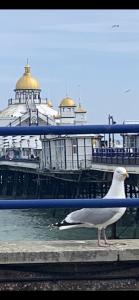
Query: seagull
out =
(99, 218)
(127, 91)
(115, 25)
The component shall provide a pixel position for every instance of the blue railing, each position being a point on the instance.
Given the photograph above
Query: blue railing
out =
(60, 130)
(63, 203)
(72, 129)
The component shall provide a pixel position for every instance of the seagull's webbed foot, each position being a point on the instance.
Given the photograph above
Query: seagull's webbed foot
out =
(110, 243)
(100, 244)
(105, 238)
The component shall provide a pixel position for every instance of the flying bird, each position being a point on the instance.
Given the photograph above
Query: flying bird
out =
(115, 25)
(127, 91)
(99, 218)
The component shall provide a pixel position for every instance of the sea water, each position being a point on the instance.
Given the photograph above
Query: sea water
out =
(33, 224)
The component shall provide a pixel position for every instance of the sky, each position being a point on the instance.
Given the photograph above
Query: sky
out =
(79, 53)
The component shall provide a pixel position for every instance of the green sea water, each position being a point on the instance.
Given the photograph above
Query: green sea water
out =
(32, 224)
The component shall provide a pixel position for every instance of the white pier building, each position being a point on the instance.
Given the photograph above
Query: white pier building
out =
(27, 108)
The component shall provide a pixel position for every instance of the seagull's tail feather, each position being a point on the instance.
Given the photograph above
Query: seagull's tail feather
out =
(64, 225)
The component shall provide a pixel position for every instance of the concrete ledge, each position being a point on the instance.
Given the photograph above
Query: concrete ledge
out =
(67, 251)
(69, 265)
(130, 251)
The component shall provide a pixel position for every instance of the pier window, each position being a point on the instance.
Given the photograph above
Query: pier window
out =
(75, 157)
(47, 158)
(60, 159)
(130, 141)
(74, 146)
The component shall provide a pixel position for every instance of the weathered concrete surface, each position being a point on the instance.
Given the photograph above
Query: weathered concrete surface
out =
(67, 251)
(130, 251)
(69, 265)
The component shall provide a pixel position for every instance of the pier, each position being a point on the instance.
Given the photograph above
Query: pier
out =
(69, 265)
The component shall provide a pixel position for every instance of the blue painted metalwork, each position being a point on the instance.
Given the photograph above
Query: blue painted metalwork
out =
(63, 203)
(62, 130)
(72, 129)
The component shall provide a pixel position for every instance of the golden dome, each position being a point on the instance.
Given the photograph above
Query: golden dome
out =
(80, 109)
(27, 82)
(67, 102)
(49, 103)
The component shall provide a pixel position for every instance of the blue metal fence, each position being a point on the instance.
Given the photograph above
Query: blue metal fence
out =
(63, 203)
(73, 129)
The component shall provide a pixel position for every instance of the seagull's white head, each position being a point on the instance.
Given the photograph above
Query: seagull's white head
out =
(120, 174)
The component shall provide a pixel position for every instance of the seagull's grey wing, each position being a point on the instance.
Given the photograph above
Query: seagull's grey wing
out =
(91, 215)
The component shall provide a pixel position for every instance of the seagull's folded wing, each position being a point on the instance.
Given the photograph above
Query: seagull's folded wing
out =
(92, 215)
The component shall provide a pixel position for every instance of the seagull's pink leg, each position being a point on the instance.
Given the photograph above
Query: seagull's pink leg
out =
(110, 243)
(105, 238)
(99, 239)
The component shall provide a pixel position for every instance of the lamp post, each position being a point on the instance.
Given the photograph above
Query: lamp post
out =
(20, 142)
(36, 142)
(13, 144)
(111, 121)
(28, 142)
(36, 146)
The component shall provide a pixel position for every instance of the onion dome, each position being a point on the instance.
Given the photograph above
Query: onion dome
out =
(27, 82)
(80, 109)
(67, 102)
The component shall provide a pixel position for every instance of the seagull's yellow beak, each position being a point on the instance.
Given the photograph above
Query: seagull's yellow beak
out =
(127, 175)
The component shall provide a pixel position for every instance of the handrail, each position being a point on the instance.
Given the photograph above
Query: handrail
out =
(72, 129)
(63, 203)
(69, 129)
